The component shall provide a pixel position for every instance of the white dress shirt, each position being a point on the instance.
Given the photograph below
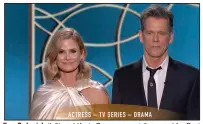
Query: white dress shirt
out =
(159, 77)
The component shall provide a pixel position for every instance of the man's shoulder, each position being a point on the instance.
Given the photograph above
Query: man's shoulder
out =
(185, 67)
(129, 67)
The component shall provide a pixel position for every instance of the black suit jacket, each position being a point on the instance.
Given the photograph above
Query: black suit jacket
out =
(181, 91)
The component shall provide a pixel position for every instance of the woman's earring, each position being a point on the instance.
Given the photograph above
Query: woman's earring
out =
(81, 61)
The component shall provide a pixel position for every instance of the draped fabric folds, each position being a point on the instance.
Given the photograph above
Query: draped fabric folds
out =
(50, 101)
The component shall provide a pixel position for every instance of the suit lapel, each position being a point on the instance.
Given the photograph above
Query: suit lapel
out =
(170, 83)
(137, 83)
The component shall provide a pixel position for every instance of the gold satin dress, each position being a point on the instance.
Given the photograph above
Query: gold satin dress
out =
(53, 102)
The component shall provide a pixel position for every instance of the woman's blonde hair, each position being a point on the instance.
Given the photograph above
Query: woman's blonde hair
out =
(51, 70)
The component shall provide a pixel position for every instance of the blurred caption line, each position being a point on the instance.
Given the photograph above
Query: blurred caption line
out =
(101, 122)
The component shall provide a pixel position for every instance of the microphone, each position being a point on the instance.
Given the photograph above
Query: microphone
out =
(165, 83)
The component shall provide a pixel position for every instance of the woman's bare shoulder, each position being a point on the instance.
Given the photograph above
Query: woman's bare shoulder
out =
(96, 94)
(48, 85)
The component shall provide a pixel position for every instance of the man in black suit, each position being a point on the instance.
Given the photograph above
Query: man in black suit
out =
(156, 80)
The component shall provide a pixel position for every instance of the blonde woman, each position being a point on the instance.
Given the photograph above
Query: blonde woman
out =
(68, 75)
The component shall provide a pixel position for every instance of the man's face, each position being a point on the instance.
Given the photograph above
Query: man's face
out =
(156, 37)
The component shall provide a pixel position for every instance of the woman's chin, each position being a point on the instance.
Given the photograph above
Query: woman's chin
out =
(69, 70)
